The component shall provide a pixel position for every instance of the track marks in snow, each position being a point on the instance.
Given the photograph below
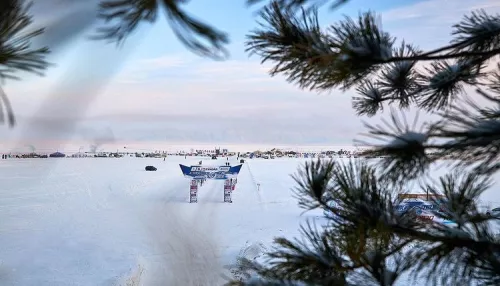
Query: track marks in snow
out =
(255, 187)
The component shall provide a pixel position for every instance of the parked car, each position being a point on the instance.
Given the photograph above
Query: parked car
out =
(150, 168)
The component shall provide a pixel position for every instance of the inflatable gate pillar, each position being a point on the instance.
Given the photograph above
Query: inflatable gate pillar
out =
(227, 191)
(193, 192)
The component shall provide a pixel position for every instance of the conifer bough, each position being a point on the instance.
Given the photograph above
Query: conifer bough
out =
(366, 240)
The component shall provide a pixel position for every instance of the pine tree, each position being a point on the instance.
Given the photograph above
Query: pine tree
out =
(367, 241)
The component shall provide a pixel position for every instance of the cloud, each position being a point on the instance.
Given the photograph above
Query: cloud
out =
(185, 85)
(163, 62)
(190, 70)
(264, 128)
(429, 23)
(182, 97)
(140, 71)
(431, 11)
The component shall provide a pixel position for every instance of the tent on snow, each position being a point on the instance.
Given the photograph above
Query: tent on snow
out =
(57, 155)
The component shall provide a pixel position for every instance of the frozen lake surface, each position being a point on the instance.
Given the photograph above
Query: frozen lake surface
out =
(103, 221)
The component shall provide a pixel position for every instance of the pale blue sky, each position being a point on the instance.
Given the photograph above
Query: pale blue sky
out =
(153, 89)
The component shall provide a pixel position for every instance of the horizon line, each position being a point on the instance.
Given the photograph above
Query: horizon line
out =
(112, 146)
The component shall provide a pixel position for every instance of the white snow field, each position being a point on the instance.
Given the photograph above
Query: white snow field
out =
(103, 221)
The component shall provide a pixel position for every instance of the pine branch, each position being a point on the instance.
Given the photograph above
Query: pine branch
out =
(126, 15)
(472, 134)
(9, 112)
(355, 243)
(313, 184)
(16, 53)
(314, 59)
(493, 83)
(357, 198)
(129, 14)
(370, 99)
(446, 81)
(295, 42)
(399, 80)
(402, 146)
(350, 53)
(458, 55)
(458, 245)
(478, 32)
(478, 35)
(316, 260)
(298, 4)
(366, 233)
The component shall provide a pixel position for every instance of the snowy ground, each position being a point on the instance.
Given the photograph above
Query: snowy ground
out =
(108, 222)
(93, 221)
